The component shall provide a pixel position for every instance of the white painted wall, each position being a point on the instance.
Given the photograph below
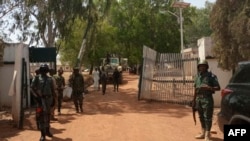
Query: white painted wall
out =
(6, 74)
(205, 47)
(10, 89)
(223, 78)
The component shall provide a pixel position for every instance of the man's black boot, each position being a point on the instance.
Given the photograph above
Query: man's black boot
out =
(48, 132)
(81, 109)
(42, 136)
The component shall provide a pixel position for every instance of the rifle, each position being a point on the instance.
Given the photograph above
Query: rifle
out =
(194, 108)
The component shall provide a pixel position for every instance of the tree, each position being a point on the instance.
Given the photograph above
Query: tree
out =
(46, 20)
(197, 25)
(97, 11)
(6, 8)
(230, 24)
(141, 23)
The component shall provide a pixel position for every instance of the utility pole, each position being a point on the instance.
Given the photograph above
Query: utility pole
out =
(181, 5)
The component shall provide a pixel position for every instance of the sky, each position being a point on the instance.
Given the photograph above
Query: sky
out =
(198, 3)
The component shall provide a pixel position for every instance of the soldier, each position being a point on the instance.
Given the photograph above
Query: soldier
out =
(205, 85)
(45, 89)
(76, 81)
(116, 77)
(55, 97)
(60, 82)
(33, 94)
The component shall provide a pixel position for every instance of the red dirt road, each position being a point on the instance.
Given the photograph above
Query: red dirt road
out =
(116, 116)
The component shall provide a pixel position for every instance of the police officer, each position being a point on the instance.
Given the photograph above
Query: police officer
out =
(205, 85)
(76, 81)
(45, 89)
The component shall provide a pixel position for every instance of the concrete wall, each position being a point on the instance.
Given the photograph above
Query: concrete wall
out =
(6, 74)
(223, 78)
(10, 75)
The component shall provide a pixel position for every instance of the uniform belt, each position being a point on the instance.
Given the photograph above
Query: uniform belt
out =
(204, 95)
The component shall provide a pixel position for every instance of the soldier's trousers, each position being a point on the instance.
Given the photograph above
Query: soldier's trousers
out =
(116, 84)
(104, 84)
(78, 100)
(60, 97)
(43, 117)
(205, 107)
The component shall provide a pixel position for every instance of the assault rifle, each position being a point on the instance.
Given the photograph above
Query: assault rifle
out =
(194, 108)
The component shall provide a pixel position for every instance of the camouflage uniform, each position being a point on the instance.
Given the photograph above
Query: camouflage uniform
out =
(55, 97)
(204, 102)
(116, 77)
(60, 82)
(45, 89)
(76, 81)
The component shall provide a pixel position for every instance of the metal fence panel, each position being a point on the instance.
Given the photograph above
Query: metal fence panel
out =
(167, 77)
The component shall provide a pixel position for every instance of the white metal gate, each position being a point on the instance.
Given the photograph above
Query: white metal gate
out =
(167, 77)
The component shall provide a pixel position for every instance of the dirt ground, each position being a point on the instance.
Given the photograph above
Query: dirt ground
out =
(116, 116)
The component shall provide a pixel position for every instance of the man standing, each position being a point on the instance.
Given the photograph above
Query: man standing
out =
(76, 81)
(205, 85)
(45, 89)
(52, 73)
(116, 78)
(103, 81)
(60, 82)
(96, 77)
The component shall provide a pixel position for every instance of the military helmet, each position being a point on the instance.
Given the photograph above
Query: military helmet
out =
(44, 68)
(76, 68)
(203, 62)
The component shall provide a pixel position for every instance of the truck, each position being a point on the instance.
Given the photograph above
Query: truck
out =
(109, 65)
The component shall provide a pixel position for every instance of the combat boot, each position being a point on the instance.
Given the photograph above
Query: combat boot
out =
(48, 133)
(207, 136)
(42, 138)
(77, 109)
(201, 135)
(81, 109)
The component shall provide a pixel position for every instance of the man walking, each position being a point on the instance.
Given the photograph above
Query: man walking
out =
(52, 73)
(96, 77)
(116, 78)
(60, 82)
(45, 89)
(76, 81)
(205, 85)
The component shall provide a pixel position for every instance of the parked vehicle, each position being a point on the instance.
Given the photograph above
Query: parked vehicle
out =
(114, 62)
(235, 102)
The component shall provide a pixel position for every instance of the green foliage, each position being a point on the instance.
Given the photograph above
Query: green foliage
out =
(230, 25)
(198, 25)
(50, 19)
(140, 23)
(70, 47)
